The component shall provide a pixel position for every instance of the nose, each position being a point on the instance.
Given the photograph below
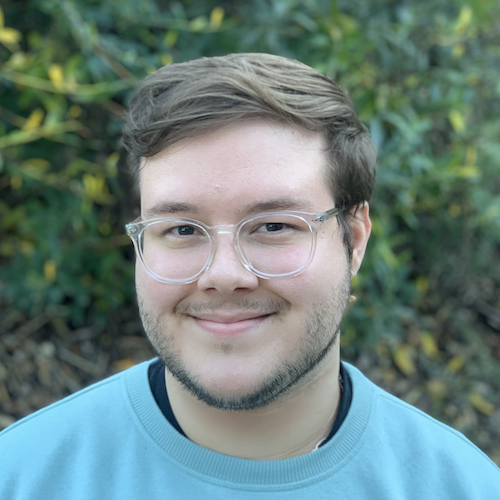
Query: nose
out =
(227, 274)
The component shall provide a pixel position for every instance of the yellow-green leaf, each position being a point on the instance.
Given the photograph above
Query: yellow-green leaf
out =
(166, 59)
(216, 17)
(473, 79)
(93, 185)
(335, 33)
(456, 363)
(429, 345)
(422, 284)
(457, 120)
(2, 18)
(171, 37)
(347, 23)
(411, 81)
(24, 136)
(464, 20)
(458, 50)
(56, 75)
(34, 120)
(436, 389)
(198, 24)
(27, 247)
(19, 60)
(481, 404)
(74, 111)
(403, 359)
(467, 171)
(455, 210)
(50, 270)
(113, 158)
(38, 164)
(16, 181)
(9, 35)
(377, 227)
(382, 350)
(470, 155)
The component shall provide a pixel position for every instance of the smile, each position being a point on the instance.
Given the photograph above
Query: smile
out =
(229, 326)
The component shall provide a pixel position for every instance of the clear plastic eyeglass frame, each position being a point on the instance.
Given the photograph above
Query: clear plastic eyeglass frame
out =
(135, 230)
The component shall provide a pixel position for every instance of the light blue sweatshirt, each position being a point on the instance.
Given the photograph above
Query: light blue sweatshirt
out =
(111, 441)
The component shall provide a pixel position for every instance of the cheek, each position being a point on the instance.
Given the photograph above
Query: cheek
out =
(332, 254)
(326, 273)
(305, 291)
(156, 296)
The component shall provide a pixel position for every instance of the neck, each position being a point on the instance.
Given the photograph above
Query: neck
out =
(292, 426)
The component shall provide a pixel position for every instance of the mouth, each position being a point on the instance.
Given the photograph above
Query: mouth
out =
(230, 325)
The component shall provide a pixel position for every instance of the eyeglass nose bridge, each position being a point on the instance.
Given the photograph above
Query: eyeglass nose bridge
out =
(223, 228)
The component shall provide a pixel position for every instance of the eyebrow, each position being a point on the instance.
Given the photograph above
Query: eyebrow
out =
(170, 207)
(284, 203)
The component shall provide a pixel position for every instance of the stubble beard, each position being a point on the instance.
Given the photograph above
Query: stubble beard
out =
(321, 333)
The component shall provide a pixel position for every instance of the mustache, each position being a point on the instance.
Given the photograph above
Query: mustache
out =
(254, 305)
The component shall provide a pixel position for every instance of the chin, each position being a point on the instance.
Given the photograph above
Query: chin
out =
(245, 387)
(242, 388)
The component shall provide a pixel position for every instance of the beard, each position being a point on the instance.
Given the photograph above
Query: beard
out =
(321, 333)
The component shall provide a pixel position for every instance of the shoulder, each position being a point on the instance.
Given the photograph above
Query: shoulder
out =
(68, 440)
(47, 427)
(406, 435)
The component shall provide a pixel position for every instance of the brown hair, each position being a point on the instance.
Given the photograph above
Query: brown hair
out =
(187, 99)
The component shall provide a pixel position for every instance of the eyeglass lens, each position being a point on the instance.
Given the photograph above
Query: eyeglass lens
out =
(273, 245)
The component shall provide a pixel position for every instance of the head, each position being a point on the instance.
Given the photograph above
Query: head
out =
(210, 139)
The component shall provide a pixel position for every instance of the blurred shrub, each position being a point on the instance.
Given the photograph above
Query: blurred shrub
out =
(424, 78)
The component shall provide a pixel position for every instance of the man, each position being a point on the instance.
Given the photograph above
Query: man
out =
(254, 174)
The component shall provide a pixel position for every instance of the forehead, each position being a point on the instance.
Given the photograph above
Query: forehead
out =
(243, 164)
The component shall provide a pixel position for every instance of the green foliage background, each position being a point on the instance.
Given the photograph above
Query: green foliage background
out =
(425, 78)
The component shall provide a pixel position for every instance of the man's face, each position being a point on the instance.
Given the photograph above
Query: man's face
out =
(233, 339)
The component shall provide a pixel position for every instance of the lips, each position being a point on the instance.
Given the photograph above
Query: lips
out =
(230, 324)
(229, 317)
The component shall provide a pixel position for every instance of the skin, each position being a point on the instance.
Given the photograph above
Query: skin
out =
(289, 322)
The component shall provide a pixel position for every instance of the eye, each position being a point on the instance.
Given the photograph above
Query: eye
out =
(183, 230)
(171, 231)
(263, 227)
(174, 232)
(274, 226)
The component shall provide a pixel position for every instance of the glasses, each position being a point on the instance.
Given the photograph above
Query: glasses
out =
(270, 245)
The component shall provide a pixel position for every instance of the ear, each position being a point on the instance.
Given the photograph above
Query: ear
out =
(361, 228)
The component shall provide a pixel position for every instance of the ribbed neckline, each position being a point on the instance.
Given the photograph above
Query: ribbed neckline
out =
(253, 474)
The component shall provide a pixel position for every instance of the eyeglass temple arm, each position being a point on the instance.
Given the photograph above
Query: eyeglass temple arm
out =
(324, 216)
